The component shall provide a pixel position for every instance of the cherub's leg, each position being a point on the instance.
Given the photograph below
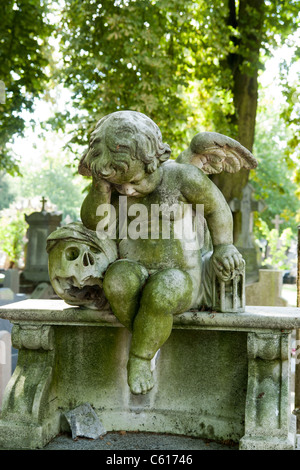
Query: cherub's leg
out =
(166, 293)
(122, 286)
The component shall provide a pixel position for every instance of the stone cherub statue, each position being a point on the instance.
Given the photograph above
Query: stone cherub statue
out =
(158, 277)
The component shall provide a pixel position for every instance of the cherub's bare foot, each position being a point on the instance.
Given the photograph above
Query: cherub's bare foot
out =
(140, 379)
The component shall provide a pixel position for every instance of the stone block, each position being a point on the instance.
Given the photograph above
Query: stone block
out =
(5, 361)
(6, 294)
(84, 422)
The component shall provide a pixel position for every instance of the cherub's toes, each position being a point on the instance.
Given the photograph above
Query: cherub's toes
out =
(150, 384)
(136, 389)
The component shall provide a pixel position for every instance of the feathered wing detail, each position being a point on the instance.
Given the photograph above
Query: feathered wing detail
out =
(213, 153)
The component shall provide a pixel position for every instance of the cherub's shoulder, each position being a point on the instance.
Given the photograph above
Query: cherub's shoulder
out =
(182, 170)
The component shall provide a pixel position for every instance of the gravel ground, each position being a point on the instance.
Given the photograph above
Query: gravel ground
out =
(136, 441)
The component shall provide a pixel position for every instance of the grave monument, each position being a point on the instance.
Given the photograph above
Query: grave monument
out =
(245, 241)
(152, 332)
(41, 224)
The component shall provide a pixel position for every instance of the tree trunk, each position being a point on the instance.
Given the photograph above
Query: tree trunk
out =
(244, 65)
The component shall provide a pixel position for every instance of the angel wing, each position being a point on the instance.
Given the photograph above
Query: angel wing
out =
(214, 153)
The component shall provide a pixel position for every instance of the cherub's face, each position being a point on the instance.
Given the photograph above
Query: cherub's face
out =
(135, 182)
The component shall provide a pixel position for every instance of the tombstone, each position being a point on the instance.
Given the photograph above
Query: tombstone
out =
(245, 241)
(268, 290)
(5, 361)
(42, 291)
(41, 224)
(6, 294)
(11, 280)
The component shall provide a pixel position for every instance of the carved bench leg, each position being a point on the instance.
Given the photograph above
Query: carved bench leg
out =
(25, 418)
(268, 410)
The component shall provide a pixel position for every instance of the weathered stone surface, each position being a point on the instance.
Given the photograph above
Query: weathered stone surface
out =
(78, 259)
(84, 422)
(53, 312)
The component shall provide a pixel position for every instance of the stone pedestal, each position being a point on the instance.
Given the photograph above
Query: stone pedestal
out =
(219, 376)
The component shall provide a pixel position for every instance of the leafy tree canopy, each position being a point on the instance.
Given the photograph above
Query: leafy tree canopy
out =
(275, 179)
(6, 196)
(24, 61)
(180, 62)
(190, 65)
(187, 64)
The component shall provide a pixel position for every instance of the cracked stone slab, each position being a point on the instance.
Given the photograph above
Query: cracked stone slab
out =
(84, 422)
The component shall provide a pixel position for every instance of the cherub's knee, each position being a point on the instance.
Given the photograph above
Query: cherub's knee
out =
(168, 291)
(122, 278)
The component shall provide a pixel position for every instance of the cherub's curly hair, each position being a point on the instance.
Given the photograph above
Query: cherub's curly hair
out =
(120, 137)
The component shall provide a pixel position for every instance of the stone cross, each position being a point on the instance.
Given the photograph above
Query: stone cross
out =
(243, 239)
(246, 206)
(277, 221)
(43, 201)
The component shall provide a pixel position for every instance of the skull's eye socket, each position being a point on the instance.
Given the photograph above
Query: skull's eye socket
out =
(72, 253)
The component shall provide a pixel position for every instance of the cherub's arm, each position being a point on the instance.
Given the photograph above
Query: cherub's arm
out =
(197, 188)
(100, 193)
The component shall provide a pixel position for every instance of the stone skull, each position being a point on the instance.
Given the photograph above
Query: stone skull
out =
(76, 271)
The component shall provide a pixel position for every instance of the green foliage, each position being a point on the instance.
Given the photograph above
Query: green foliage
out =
(291, 111)
(57, 185)
(129, 55)
(190, 65)
(25, 54)
(181, 62)
(274, 180)
(12, 234)
(178, 61)
(278, 246)
(6, 196)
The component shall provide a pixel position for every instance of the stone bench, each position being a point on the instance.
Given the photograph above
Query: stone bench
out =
(219, 376)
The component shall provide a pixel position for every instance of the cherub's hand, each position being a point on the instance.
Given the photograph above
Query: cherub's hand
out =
(227, 261)
(102, 186)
